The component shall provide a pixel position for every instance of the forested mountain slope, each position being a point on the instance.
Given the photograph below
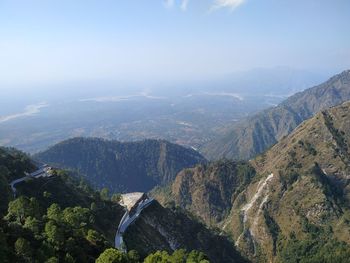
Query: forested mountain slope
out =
(173, 229)
(207, 190)
(122, 166)
(295, 206)
(254, 135)
(62, 219)
(51, 218)
(301, 198)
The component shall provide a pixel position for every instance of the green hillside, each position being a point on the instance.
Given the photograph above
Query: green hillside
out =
(62, 219)
(208, 190)
(122, 167)
(53, 218)
(169, 229)
(295, 204)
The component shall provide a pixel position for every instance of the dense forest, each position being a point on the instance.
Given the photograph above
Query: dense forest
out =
(122, 166)
(63, 219)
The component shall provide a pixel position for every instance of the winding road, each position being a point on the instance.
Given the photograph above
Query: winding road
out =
(127, 220)
(43, 171)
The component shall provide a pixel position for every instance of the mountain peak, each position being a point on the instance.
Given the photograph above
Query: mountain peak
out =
(255, 134)
(347, 71)
(344, 76)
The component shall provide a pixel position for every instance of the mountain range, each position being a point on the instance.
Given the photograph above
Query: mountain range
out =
(287, 200)
(289, 204)
(253, 135)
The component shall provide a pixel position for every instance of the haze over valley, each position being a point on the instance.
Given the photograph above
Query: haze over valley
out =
(189, 114)
(174, 131)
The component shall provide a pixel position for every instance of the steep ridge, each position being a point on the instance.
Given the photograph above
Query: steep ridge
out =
(207, 190)
(122, 167)
(305, 199)
(254, 135)
(171, 229)
(295, 204)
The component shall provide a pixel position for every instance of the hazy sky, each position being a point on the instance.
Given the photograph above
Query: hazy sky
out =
(50, 41)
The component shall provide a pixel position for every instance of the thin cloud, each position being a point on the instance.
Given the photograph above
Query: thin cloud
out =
(172, 3)
(231, 4)
(169, 3)
(184, 5)
(217, 4)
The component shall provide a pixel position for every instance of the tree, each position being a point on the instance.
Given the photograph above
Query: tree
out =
(116, 198)
(45, 251)
(68, 258)
(19, 209)
(85, 186)
(158, 257)
(196, 257)
(52, 260)
(22, 207)
(112, 255)
(47, 194)
(133, 256)
(93, 207)
(54, 212)
(32, 224)
(94, 237)
(3, 247)
(179, 256)
(54, 234)
(23, 249)
(104, 194)
(77, 216)
(35, 209)
(4, 189)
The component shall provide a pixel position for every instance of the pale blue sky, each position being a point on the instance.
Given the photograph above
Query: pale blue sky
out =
(52, 41)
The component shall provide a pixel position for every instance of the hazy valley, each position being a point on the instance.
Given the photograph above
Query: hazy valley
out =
(191, 115)
(267, 209)
(174, 131)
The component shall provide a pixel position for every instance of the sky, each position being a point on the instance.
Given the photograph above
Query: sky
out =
(53, 41)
